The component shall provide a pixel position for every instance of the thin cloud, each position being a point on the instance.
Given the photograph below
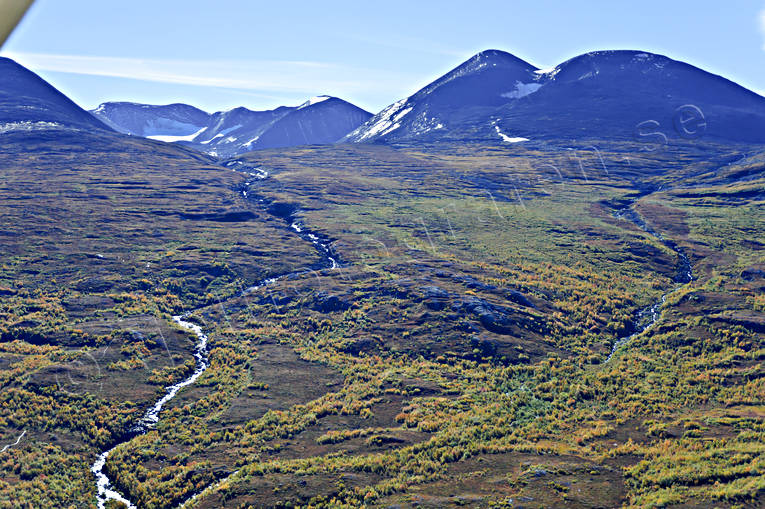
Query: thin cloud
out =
(263, 76)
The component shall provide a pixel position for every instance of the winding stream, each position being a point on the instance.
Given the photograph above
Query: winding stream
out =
(18, 439)
(105, 488)
(647, 317)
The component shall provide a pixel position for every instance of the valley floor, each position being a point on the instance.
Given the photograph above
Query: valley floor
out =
(457, 349)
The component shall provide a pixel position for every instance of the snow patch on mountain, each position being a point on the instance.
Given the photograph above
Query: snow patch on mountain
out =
(548, 73)
(522, 90)
(219, 135)
(28, 126)
(169, 127)
(424, 124)
(507, 138)
(171, 139)
(402, 114)
(386, 121)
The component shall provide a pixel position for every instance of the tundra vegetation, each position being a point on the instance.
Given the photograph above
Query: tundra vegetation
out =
(461, 353)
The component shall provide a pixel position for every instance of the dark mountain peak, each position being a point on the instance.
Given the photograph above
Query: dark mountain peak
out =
(183, 106)
(489, 59)
(486, 80)
(491, 62)
(26, 97)
(629, 64)
(618, 66)
(8, 66)
(239, 110)
(495, 57)
(324, 102)
(619, 56)
(611, 62)
(320, 120)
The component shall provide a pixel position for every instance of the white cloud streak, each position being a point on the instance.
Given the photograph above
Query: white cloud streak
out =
(269, 75)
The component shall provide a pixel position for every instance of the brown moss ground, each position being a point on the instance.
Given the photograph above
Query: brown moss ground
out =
(396, 393)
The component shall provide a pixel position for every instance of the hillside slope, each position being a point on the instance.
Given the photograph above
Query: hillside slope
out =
(27, 100)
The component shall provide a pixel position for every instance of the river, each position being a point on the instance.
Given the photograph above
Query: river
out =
(105, 488)
(648, 316)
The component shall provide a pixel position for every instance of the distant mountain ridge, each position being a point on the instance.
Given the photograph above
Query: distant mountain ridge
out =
(493, 97)
(320, 120)
(146, 120)
(619, 94)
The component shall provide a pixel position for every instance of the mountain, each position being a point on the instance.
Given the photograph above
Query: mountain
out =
(319, 120)
(604, 94)
(26, 100)
(477, 87)
(232, 132)
(631, 94)
(172, 120)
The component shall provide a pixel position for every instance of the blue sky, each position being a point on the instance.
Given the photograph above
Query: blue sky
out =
(261, 54)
